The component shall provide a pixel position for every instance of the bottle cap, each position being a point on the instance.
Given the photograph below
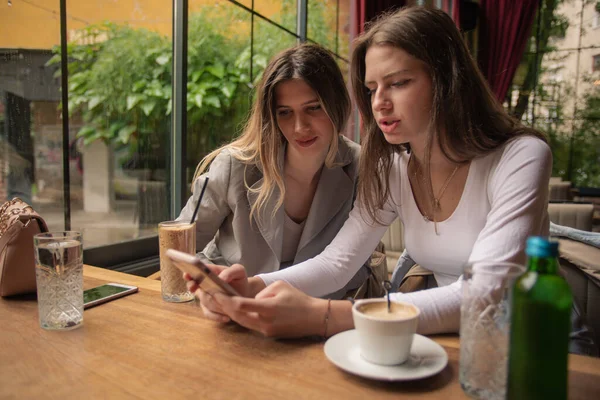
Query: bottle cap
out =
(538, 246)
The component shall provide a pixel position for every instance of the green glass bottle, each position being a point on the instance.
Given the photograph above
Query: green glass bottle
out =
(540, 326)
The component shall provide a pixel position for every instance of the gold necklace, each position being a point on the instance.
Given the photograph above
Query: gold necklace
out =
(436, 200)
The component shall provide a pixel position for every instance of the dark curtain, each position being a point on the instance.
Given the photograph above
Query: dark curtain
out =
(503, 33)
(366, 10)
(456, 12)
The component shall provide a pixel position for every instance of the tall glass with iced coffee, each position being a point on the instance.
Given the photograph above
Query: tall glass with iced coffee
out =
(178, 235)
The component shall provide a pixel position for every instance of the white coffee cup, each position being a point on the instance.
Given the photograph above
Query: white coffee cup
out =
(385, 338)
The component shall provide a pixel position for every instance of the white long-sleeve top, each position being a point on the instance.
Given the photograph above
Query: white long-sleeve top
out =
(504, 201)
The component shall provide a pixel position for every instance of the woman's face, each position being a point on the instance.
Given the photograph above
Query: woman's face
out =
(401, 93)
(302, 119)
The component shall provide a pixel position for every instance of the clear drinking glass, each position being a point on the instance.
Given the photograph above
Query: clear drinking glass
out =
(59, 278)
(485, 326)
(178, 235)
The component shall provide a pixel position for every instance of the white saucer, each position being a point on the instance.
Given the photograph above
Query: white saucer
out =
(426, 358)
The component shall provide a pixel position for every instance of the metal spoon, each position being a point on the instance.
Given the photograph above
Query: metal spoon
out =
(387, 286)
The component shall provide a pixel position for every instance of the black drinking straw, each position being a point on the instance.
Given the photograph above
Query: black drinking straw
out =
(199, 201)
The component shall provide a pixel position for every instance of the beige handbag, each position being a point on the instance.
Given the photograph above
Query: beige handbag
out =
(417, 278)
(373, 286)
(18, 224)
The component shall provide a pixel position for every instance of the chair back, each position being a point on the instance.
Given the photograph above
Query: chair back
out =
(560, 191)
(580, 265)
(574, 215)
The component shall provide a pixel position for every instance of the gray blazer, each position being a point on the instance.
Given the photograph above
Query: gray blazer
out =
(257, 245)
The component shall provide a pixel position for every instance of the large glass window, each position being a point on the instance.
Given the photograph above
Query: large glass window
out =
(218, 77)
(557, 89)
(120, 76)
(224, 64)
(119, 92)
(329, 24)
(30, 128)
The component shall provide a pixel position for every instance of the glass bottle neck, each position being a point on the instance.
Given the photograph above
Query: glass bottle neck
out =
(543, 265)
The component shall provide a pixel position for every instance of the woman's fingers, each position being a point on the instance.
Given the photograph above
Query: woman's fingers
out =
(210, 308)
(208, 301)
(264, 305)
(216, 269)
(236, 276)
(190, 283)
(273, 290)
(233, 273)
(231, 306)
(278, 310)
(260, 306)
(192, 286)
(214, 316)
(249, 320)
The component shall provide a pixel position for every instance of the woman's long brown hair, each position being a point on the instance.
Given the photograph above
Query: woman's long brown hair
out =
(465, 115)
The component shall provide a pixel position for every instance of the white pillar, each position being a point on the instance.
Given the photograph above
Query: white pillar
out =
(98, 191)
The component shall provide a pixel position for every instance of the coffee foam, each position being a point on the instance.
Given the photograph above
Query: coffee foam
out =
(179, 237)
(379, 310)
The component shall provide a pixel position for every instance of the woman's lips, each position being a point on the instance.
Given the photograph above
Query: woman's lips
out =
(306, 143)
(388, 127)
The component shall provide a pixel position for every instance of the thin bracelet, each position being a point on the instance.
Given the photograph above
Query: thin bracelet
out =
(327, 317)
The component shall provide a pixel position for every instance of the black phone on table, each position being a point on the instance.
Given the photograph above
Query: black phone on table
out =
(200, 273)
(104, 293)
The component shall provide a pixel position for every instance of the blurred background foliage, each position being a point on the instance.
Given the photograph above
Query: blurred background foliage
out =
(120, 79)
(543, 96)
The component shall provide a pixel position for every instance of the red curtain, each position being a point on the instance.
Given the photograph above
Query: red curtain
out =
(456, 12)
(504, 29)
(366, 10)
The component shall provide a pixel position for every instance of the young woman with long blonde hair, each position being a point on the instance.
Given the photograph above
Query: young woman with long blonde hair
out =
(278, 194)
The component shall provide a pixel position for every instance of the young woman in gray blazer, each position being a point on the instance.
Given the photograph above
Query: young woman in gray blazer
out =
(279, 193)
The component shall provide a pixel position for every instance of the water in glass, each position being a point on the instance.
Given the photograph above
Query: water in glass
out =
(59, 277)
(484, 330)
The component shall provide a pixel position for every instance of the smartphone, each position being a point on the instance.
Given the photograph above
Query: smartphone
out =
(101, 294)
(204, 277)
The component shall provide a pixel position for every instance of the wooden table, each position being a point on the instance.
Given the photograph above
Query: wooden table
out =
(142, 347)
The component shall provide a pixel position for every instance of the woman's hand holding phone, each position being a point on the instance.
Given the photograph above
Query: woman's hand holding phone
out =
(280, 310)
(234, 275)
(210, 309)
(206, 280)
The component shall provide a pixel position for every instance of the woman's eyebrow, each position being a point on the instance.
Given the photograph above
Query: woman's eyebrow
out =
(390, 74)
(303, 104)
